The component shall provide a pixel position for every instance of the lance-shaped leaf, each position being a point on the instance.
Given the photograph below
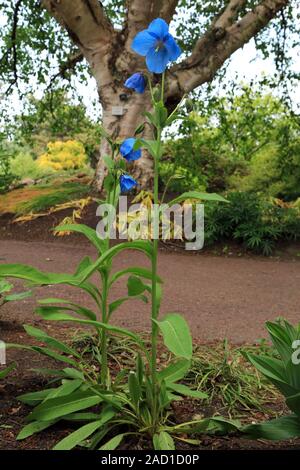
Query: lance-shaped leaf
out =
(140, 245)
(88, 232)
(83, 311)
(39, 278)
(55, 316)
(85, 431)
(199, 196)
(138, 271)
(60, 406)
(113, 443)
(186, 391)
(163, 441)
(40, 335)
(285, 427)
(175, 371)
(7, 370)
(33, 428)
(176, 335)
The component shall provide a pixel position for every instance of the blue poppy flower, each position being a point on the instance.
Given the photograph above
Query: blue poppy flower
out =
(127, 150)
(137, 82)
(127, 183)
(157, 44)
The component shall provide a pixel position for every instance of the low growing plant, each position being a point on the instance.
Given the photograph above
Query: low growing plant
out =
(111, 407)
(6, 174)
(283, 371)
(5, 297)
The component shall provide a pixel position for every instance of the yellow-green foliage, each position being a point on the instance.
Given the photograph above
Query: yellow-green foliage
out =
(24, 165)
(69, 155)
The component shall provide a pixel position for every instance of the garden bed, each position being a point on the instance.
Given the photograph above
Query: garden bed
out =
(24, 380)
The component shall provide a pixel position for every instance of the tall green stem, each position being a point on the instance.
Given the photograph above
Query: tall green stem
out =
(104, 362)
(155, 306)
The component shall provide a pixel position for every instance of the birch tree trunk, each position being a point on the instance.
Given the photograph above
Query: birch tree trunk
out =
(122, 114)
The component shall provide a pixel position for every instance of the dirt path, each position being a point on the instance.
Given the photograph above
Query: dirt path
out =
(220, 297)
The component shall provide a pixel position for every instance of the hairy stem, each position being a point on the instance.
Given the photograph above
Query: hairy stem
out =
(155, 306)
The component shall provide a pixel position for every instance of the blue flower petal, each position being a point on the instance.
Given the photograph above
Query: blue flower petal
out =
(137, 82)
(142, 42)
(159, 27)
(172, 47)
(133, 155)
(127, 146)
(127, 183)
(127, 150)
(157, 60)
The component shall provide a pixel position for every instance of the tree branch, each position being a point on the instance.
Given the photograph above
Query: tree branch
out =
(167, 10)
(216, 46)
(139, 14)
(12, 50)
(229, 14)
(85, 21)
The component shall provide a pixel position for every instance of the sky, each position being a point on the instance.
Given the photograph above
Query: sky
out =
(245, 64)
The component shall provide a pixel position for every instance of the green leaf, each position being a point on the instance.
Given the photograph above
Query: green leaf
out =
(135, 286)
(96, 324)
(134, 388)
(113, 443)
(73, 373)
(83, 311)
(53, 355)
(281, 340)
(88, 232)
(84, 263)
(84, 432)
(163, 441)
(54, 343)
(5, 286)
(35, 398)
(176, 334)
(33, 428)
(198, 195)
(36, 277)
(7, 370)
(15, 297)
(140, 245)
(153, 147)
(66, 388)
(61, 406)
(293, 403)
(184, 390)
(274, 370)
(161, 114)
(142, 272)
(175, 371)
(285, 427)
(109, 163)
(117, 303)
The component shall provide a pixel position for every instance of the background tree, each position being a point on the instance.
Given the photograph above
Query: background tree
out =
(54, 118)
(246, 141)
(101, 33)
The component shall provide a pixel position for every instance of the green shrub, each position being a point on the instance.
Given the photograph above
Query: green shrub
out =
(7, 175)
(283, 372)
(25, 166)
(60, 155)
(253, 221)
